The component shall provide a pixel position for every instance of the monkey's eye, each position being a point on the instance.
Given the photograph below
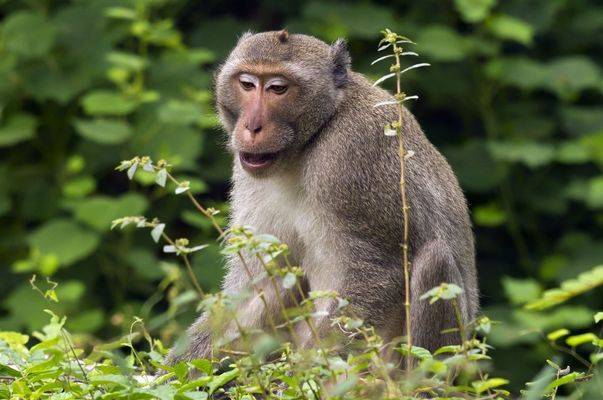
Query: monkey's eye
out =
(247, 85)
(278, 89)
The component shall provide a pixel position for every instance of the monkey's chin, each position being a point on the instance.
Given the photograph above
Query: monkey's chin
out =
(256, 162)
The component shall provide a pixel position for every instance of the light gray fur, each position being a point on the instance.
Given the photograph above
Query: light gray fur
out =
(334, 197)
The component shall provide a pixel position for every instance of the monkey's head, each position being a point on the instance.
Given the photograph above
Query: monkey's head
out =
(274, 93)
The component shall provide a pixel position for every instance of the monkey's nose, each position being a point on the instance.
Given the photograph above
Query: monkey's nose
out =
(253, 128)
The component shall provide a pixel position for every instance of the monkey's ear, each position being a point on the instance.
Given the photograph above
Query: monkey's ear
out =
(341, 62)
(245, 35)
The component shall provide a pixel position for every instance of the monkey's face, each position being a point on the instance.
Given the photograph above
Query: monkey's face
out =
(265, 124)
(274, 93)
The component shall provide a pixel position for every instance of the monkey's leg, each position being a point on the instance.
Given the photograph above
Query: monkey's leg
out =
(434, 264)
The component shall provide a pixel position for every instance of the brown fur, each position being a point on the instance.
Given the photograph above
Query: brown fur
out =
(333, 196)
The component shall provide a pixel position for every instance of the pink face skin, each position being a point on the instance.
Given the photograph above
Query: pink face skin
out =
(255, 135)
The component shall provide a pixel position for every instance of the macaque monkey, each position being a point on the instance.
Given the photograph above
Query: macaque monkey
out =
(313, 168)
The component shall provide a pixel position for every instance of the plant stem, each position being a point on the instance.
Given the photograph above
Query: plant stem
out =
(405, 208)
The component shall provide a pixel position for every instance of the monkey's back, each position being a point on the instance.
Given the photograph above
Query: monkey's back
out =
(354, 174)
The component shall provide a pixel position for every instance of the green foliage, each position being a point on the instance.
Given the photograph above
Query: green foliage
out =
(585, 282)
(513, 98)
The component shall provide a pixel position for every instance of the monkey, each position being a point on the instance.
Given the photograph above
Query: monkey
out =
(312, 166)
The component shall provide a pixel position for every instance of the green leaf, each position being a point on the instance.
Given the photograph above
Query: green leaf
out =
(79, 187)
(568, 76)
(559, 333)
(179, 112)
(87, 321)
(569, 378)
(416, 351)
(520, 72)
(17, 129)
(108, 102)
(490, 215)
(441, 43)
(104, 131)
(64, 238)
(128, 61)
(511, 28)
(594, 192)
(222, 380)
(99, 211)
(577, 340)
(585, 282)
(9, 371)
(532, 154)
(598, 317)
(15, 340)
(28, 34)
(482, 386)
(474, 10)
(521, 291)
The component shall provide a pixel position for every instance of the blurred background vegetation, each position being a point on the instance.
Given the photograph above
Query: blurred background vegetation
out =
(514, 99)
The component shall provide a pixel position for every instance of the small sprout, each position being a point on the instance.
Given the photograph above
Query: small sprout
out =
(162, 164)
(483, 324)
(182, 242)
(124, 165)
(157, 232)
(161, 177)
(183, 187)
(389, 130)
(147, 164)
(212, 211)
(446, 291)
(180, 247)
(125, 221)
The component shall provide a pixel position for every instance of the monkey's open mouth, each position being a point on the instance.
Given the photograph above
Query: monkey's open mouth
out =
(257, 161)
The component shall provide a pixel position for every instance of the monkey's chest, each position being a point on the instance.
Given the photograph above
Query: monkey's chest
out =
(292, 216)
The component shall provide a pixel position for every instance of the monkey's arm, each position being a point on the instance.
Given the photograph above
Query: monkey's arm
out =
(251, 312)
